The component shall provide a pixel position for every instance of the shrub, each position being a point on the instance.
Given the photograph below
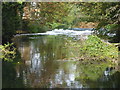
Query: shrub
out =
(7, 52)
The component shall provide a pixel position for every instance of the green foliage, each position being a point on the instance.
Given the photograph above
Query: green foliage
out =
(97, 48)
(106, 13)
(111, 26)
(20, 1)
(94, 49)
(113, 13)
(35, 27)
(55, 25)
(51, 15)
(7, 52)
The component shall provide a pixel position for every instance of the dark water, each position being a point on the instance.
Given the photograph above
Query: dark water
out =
(43, 62)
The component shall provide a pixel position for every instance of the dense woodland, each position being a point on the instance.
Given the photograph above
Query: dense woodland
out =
(26, 17)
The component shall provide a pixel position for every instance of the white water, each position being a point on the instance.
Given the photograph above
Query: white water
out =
(70, 33)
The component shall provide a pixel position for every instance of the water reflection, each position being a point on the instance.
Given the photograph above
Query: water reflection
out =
(43, 65)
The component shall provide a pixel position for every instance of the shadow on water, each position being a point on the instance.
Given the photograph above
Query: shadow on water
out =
(11, 76)
(45, 63)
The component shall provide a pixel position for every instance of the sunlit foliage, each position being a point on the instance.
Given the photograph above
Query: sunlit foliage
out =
(7, 52)
(95, 49)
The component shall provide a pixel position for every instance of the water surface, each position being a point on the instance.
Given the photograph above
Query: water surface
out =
(43, 61)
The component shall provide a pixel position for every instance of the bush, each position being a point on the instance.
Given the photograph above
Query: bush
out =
(96, 48)
(7, 52)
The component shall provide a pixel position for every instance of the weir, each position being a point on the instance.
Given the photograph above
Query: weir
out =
(68, 32)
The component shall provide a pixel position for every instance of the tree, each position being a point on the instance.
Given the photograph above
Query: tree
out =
(49, 14)
(113, 17)
(11, 18)
(106, 13)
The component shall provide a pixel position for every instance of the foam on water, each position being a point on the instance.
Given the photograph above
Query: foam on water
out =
(62, 32)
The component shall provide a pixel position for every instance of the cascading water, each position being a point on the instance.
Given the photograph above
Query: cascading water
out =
(77, 33)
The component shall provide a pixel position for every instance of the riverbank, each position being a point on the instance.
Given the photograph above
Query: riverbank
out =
(95, 49)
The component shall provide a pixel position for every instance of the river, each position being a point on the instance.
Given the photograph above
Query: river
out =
(42, 61)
